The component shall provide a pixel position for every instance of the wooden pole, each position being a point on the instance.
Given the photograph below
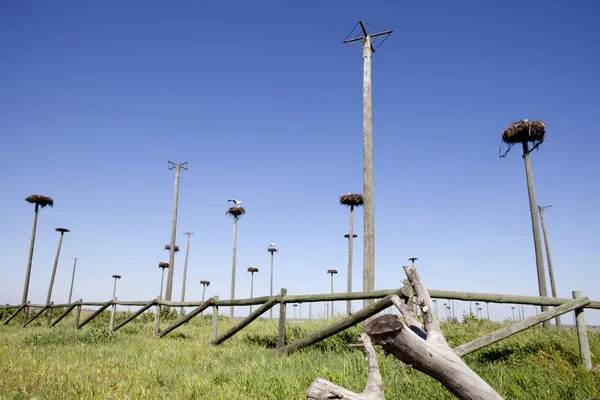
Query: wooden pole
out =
(272, 251)
(4, 313)
(113, 311)
(282, 311)
(30, 259)
(169, 290)
(246, 321)
(215, 320)
(549, 260)
(517, 327)
(185, 265)
(72, 279)
(136, 314)
(187, 318)
(54, 270)
(233, 260)
(368, 197)
(332, 293)
(162, 282)
(582, 337)
(251, 288)
(95, 314)
(35, 316)
(537, 243)
(157, 318)
(77, 314)
(350, 258)
(49, 320)
(338, 326)
(64, 314)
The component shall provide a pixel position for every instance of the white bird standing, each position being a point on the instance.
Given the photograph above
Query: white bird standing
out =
(236, 202)
(272, 245)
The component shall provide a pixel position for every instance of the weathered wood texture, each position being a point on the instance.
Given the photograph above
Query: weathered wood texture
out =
(157, 319)
(95, 314)
(113, 312)
(427, 352)
(245, 322)
(186, 318)
(338, 326)
(77, 313)
(35, 316)
(8, 319)
(215, 319)
(281, 336)
(517, 327)
(584, 344)
(64, 314)
(49, 317)
(136, 314)
(322, 389)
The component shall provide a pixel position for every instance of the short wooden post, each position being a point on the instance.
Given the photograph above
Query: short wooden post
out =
(77, 313)
(215, 320)
(282, 310)
(157, 317)
(113, 311)
(584, 345)
(50, 309)
(4, 313)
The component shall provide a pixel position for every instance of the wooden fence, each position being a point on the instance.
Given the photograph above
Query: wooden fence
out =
(385, 300)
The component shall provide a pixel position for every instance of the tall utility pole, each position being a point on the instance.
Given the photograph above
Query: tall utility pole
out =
(332, 272)
(537, 242)
(252, 270)
(549, 258)
(271, 249)
(51, 286)
(366, 39)
(73, 277)
(185, 264)
(177, 168)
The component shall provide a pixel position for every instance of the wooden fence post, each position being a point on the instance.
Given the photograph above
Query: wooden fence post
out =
(584, 345)
(77, 313)
(157, 317)
(113, 311)
(215, 320)
(5, 313)
(282, 310)
(50, 309)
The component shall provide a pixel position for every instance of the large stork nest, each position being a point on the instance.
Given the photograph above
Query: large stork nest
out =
(168, 247)
(522, 132)
(332, 271)
(235, 212)
(207, 283)
(62, 230)
(252, 269)
(163, 264)
(117, 276)
(352, 200)
(40, 200)
(272, 249)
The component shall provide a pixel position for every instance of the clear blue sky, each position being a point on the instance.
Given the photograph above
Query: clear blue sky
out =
(264, 102)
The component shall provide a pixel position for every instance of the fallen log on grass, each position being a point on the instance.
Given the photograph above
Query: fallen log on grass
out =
(426, 351)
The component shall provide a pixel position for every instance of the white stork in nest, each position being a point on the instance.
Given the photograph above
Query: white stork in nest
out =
(237, 203)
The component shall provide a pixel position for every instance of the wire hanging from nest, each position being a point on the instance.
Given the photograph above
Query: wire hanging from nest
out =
(521, 132)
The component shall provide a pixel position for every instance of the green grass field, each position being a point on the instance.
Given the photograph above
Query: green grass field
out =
(91, 363)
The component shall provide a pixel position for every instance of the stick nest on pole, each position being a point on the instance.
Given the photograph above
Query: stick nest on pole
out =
(332, 271)
(352, 200)
(272, 249)
(252, 269)
(163, 264)
(117, 276)
(168, 247)
(62, 230)
(235, 212)
(42, 201)
(525, 131)
(207, 283)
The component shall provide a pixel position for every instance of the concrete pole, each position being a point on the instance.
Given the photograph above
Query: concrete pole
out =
(582, 337)
(549, 260)
(539, 260)
(72, 280)
(233, 259)
(185, 264)
(54, 268)
(487, 305)
(350, 257)
(30, 259)
(162, 282)
(169, 290)
(331, 293)
(203, 291)
(513, 311)
(368, 197)
(114, 307)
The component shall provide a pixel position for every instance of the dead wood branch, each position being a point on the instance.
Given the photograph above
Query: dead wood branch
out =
(322, 389)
